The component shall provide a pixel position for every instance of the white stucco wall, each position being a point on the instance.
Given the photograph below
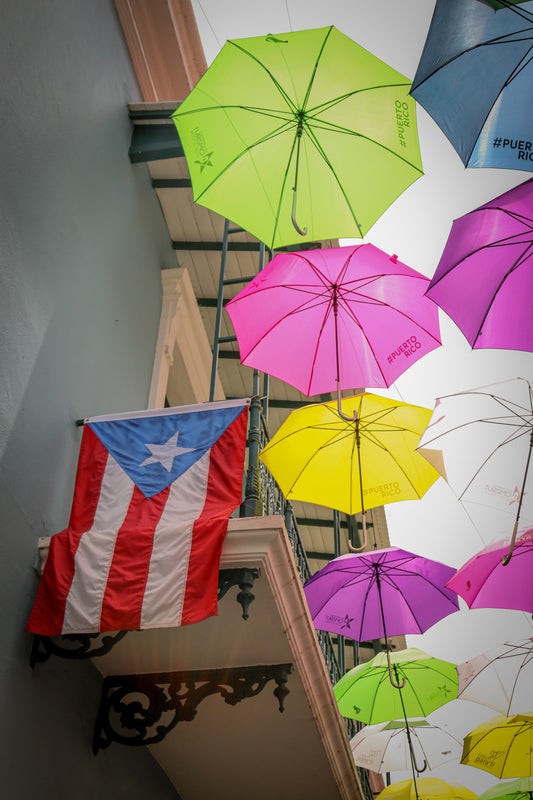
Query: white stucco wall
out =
(82, 243)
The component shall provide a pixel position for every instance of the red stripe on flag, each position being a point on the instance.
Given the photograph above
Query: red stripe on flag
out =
(123, 597)
(224, 494)
(91, 467)
(48, 610)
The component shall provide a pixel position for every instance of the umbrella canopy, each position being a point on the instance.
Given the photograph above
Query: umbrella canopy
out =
(386, 747)
(502, 746)
(501, 678)
(351, 465)
(426, 789)
(487, 580)
(366, 693)
(380, 593)
(519, 789)
(484, 279)
(343, 317)
(496, 4)
(473, 76)
(481, 442)
(299, 133)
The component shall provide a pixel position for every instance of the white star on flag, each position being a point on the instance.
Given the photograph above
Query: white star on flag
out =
(165, 454)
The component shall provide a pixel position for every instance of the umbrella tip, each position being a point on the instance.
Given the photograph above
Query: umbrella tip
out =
(394, 258)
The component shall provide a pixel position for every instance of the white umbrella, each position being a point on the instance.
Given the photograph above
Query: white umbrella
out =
(481, 442)
(385, 747)
(501, 678)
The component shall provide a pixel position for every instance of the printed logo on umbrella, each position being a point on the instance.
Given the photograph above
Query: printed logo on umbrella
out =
(407, 348)
(344, 622)
(522, 147)
(402, 120)
(489, 759)
(203, 156)
(514, 494)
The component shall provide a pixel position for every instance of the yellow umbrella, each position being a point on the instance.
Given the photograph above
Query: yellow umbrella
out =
(426, 789)
(320, 457)
(502, 746)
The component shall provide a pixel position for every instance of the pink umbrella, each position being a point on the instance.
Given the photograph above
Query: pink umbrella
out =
(485, 582)
(335, 318)
(484, 279)
(380, 593)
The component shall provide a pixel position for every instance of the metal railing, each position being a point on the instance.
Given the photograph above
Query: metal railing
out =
(263, 496)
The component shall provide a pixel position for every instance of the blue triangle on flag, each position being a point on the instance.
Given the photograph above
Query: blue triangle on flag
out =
(155, 451)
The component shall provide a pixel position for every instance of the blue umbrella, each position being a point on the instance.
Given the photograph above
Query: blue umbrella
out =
(475, 79)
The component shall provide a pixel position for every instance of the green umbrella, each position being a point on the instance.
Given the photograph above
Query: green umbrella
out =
(366, 692)
(519, 789)
(299, 134)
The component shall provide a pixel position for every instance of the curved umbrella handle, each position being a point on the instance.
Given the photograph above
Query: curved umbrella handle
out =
(362, 547)
(294, 188)
(339, 407)
(418, 769)
(293, 218)
(396, 685)
(507, 558)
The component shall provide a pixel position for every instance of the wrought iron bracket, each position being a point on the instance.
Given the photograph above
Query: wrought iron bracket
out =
(78, 646)
(244, 578)
(75, 646)
(140, 710)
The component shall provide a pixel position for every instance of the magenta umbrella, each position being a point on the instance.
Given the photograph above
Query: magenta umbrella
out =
(484, 279)
(381, 593)
(335, 318)
(484, 581)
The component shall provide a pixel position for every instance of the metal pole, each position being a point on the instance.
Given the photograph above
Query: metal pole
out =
(341, 650)
(220, 304)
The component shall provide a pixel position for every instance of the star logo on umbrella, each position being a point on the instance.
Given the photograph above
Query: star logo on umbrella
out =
(165, 454)
(346, 621)
(205, 161)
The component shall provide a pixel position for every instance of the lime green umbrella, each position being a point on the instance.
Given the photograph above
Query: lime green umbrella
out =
(519, 789)
(302, 134)
(367, 694)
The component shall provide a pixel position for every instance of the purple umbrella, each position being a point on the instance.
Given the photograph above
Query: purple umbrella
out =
(484, 279)
(378, 594)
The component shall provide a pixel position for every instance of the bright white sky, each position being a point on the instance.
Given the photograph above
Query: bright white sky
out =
(415, 227)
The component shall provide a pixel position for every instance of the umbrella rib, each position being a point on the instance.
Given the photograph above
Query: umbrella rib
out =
(373, 301)
(263, 67)
(328, 163)
(503, 39)
(511, 269)
(244, 152)
(507, 242)
(314, 112)
(387, 579)
(325, 318)
(313, 71)
(476, 473)
(339, 129)
(523, 663)
(505, 83)
(306, 305)
(351, 315)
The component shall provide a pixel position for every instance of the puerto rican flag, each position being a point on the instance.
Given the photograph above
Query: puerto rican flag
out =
(154, 491)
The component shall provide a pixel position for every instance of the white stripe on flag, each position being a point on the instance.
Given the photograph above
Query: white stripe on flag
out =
(116, 491)
(92, 561)
(95, 550)
(167, 578)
